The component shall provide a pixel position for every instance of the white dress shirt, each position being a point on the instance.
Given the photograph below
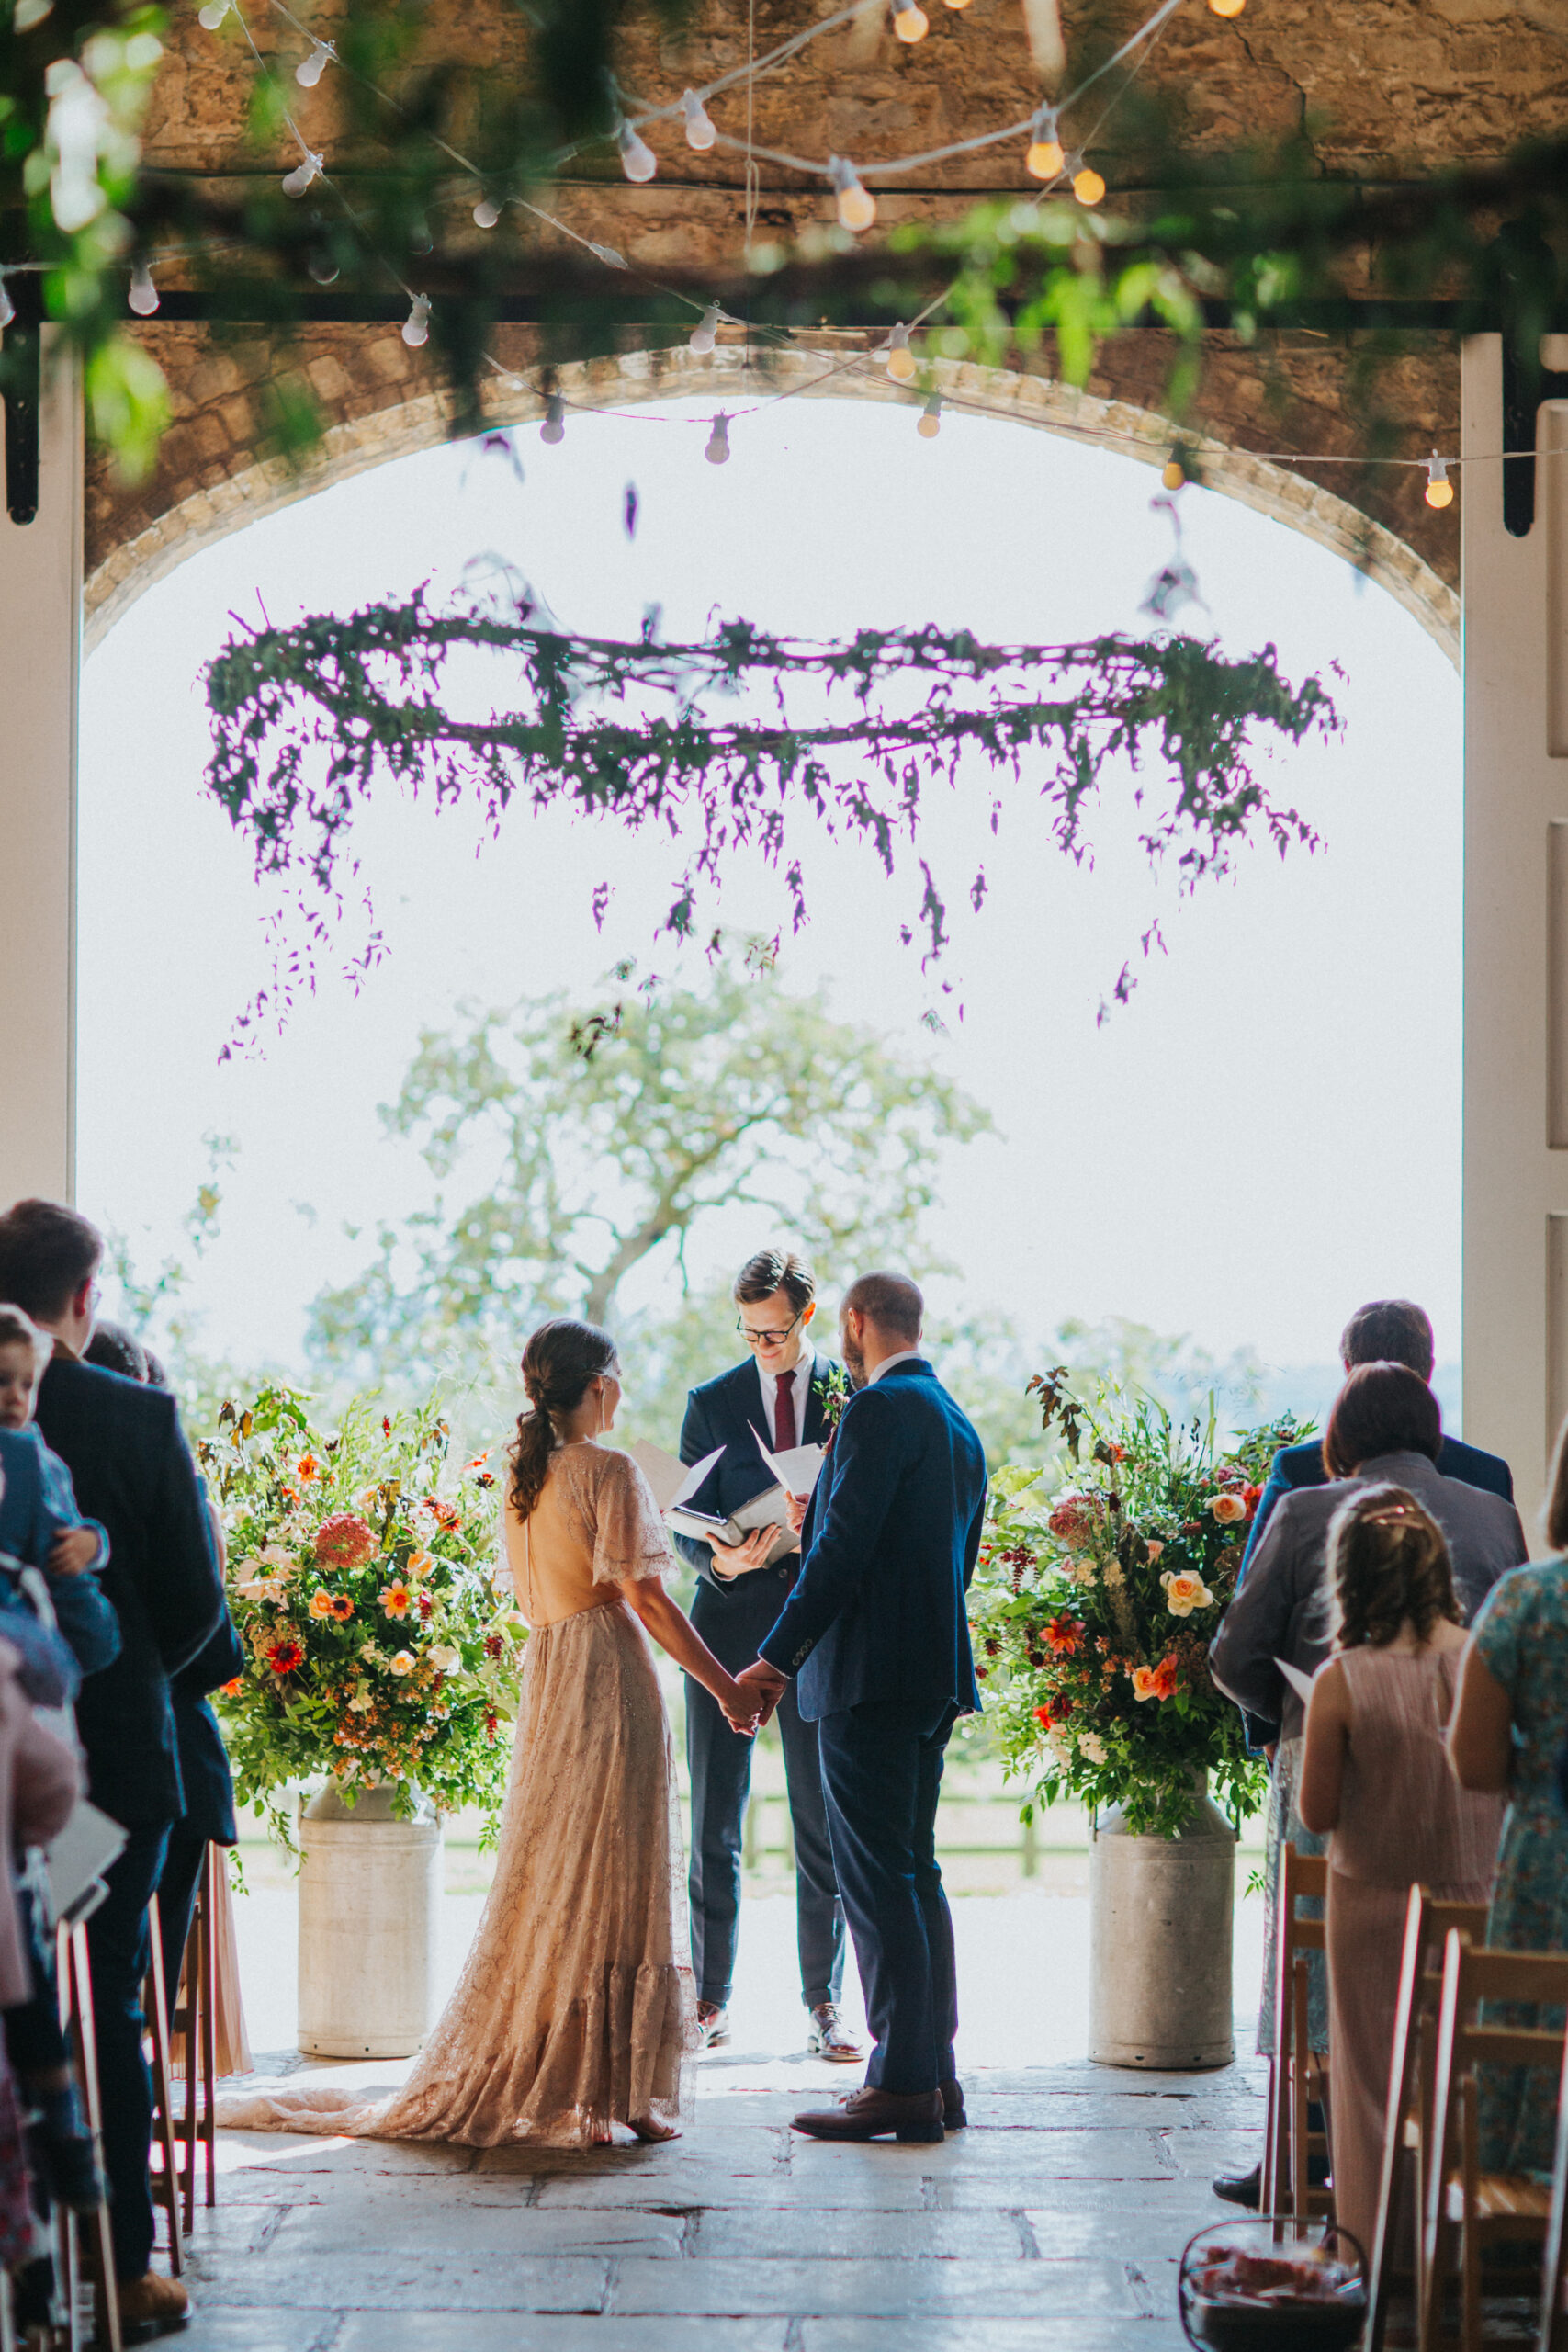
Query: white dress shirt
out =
(904, 1355)
(800, 1373)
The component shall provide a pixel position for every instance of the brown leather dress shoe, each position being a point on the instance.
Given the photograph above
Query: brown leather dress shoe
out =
(953, 2116)
(151, 2305)
(870, 2114)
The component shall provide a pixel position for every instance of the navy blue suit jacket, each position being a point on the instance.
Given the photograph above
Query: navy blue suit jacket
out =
(878, 1609)
(206, 1779)
(724, 1412)
(132, 1470)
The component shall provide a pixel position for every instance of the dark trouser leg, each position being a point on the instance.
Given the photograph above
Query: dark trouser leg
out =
(176, 1901)
(878, 1779)
(819, 1913)
(933, 1901)
(719, 1761)
(119, 1945)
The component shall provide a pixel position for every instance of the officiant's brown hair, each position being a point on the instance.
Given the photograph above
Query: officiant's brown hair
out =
(560, 1359)
(772, 1269)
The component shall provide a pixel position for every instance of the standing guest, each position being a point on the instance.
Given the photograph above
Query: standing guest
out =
(778, 1392)
(877, 1630)
(132, 1470)
(206, 1780)
(1385, 1428)
(1508, 1730)
(1376, 1783)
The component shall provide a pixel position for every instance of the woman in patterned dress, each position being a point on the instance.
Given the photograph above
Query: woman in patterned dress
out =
(1509, 1729)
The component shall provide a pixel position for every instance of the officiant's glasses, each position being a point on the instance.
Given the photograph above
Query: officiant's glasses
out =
(764, 1339)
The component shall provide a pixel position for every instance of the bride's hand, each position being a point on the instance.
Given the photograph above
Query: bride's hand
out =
(742, 1705)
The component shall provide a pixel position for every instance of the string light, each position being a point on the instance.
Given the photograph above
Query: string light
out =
(322, 267)
(143, 294)
(416, 326)
(607, 254)
(1044, 158)
(929, 424)
(7, 307)
(958, 4)
(1173, 473)
(1439, 490)
(717, 450)
(487, 212)
(309, 70)
(700, 132)
(306, 171)
(900, 358)
(911, 24)
(212, 15)
(1087, 186)
(1227, 7)
(554, 427)
(857, 206)
(705, 335)
(638, 159)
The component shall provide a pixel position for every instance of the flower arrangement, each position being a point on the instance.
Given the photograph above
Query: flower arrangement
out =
(1094, 1607)
(361, 1576)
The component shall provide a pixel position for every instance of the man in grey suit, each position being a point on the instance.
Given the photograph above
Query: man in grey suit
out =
(1385, 1428)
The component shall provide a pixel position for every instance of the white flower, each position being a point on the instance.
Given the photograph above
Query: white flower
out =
(1060, 1744)
(276, 1555)
(402, 1663)
(1092, 1746)
(361, 1702)
(443, 1658)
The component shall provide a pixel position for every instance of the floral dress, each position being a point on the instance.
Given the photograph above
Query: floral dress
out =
(1522, 1635)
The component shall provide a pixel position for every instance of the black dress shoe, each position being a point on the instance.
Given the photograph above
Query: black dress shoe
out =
(1241, 2187)
(953, 2116)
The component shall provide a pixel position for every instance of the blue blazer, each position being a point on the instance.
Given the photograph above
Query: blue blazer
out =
(724, 1412)
(125, 1452)
(206, 1779)
(878, 1609)
(35, 1505)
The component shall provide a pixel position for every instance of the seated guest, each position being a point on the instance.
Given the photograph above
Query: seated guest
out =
(1375, 1782)
(1385, 1428)
(132, 1470)
(1509, 1729)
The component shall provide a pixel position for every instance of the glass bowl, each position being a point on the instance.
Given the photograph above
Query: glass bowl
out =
(1273, 2284)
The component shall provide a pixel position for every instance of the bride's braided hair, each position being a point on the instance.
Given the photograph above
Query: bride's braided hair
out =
(560, 1359)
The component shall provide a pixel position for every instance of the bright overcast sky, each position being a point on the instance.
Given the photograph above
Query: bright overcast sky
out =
(1267, 1134)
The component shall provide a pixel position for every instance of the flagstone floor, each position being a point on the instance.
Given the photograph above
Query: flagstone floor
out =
(1054, 2221)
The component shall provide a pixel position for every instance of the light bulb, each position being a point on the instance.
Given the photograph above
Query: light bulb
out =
(857, 206)
(419, 239)
(607, 254)
(309, 70)
(700, 132)
(900, 362)
(910, 24)
(7, 307)
(705, 335)
(1087, 186)
(1044, 158)
(143, 294)
(717, 450)
(416, 326)
(929, 424)
(638, 159)
(1439, 489)
(486, 213)
(554, 427)
(1227, 7)
(212, 15)
(322, 267)
(958, 4)
(1173, 473)
(307, 169)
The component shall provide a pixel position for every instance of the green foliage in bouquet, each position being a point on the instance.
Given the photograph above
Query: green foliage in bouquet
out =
(361, 1578)
(1095, 1601)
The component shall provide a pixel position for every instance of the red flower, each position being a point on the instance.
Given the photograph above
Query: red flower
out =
(342, 1608)
(232, 1690)
(345, 1541)
(307, 1467)
(1064, 1635)
(1165, 1678)
(426, 1606)
(443, 1514)
(494, 1645)
(1045, 1718)
(386, 1425)
(1252, 1497)
(283, 1656)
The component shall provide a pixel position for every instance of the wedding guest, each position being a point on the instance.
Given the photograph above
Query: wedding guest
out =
(132, 1470)
(877, 1630)
(1509, 1729)
(1385, 1428)
(1375, 1782)
(779, 1392)
(46, 1529)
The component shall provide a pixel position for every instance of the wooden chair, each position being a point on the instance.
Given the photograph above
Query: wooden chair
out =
(1297, 2075)
(1408, 2130)
(167, 2172)
(75, 1979)
(1484, 2208)
(1553, 2333)
(193, 2035)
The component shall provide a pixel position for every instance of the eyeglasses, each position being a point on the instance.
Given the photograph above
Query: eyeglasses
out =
(765, 1339)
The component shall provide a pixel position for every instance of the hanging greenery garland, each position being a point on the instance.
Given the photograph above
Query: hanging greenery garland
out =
(310, 720)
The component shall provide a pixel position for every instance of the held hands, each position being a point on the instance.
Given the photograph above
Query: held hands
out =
(72, 1552)
(742, 1708)
(767, 1686)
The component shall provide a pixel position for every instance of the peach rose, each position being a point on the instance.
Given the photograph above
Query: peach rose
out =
(402, 1663)
(1153, 1548)
(1185, 1591)
(1228, 1509)
(1145, 1682)
(321, 1604)
(419, 1567)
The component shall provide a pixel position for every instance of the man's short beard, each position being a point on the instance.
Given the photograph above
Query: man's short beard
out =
(855, 1364)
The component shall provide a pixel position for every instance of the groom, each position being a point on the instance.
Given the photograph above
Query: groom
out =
(877, 1632)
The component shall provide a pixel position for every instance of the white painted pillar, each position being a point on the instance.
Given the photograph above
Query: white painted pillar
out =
(1515, 943)
(40, 635)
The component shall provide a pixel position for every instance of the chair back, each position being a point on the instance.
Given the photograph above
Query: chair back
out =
(1298, 2074)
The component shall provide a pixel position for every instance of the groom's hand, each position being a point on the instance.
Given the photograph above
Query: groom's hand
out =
(768, 1683)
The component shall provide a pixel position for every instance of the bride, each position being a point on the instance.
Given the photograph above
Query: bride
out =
(576, 2009)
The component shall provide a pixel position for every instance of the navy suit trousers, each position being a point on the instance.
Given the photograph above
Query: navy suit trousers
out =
(119, 1948)
(733, 1622)
(881, 1777)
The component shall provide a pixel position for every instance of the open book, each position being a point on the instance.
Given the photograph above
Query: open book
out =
(673, 1486)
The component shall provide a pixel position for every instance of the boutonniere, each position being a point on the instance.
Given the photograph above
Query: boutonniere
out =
(835, 1392)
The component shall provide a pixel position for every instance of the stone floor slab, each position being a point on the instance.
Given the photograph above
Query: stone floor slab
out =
(445, 2331)
(218, 2328)
(993, 2336)
(394, 2221)
(832, 2235)
(384, 2280)
(873, 2288)
(882, 2190)
(1110, 2154)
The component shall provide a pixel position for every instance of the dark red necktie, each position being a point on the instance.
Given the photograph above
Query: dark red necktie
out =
(783, 1414)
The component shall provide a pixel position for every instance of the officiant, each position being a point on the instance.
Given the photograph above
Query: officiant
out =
(778, 1393)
